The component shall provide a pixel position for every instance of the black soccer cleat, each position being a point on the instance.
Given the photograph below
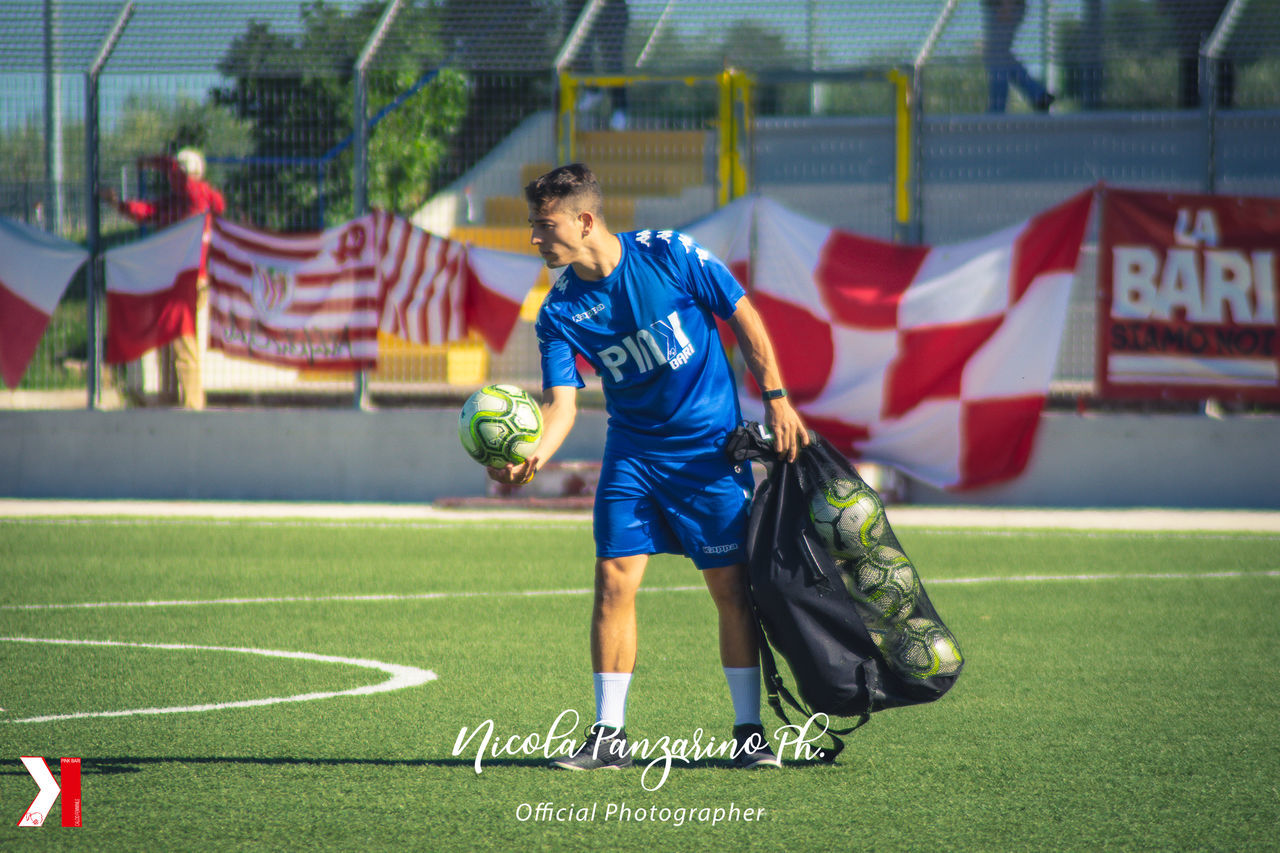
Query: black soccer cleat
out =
(606, 748)
(751, 749)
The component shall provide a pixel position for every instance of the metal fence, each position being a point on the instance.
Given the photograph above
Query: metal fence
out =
(464, 102)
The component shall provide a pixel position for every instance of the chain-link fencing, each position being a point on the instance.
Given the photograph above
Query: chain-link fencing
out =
(927, 120)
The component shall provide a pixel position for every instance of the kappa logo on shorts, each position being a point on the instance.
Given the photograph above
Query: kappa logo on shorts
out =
(719, 549)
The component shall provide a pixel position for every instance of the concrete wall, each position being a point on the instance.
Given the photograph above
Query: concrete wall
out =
(414, 456)
(1140, 460)
(261, 454)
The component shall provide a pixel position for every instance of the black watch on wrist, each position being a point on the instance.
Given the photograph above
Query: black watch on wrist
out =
(774, 394)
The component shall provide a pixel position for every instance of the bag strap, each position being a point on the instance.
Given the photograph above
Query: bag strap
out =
(776, 692)
(752, 441)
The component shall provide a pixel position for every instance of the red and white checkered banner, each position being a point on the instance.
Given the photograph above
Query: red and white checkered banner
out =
(1188, 291)
(934, 360)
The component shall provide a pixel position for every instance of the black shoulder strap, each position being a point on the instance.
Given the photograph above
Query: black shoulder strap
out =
(776, 692)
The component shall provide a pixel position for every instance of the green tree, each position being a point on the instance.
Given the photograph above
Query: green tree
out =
(1143, 75)
(1139, 55)
(298, 95)
(21, 169)
(149, 125)
(408, 145)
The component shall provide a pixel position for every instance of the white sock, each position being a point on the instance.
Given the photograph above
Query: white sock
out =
(611, 697)
(744, 690)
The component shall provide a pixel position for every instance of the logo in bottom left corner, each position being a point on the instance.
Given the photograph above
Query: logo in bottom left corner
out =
(38, 812)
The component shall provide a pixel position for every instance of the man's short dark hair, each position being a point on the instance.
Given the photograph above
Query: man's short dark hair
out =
(573, 185)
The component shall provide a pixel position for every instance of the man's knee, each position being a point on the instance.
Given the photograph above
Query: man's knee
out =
(728, 586)
(617, 579)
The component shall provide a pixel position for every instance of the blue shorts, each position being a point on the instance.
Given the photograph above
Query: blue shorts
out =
(698, 508)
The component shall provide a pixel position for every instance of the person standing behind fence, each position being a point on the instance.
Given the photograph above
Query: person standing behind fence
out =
(1001, 19)
(608, 34)
(189, 194)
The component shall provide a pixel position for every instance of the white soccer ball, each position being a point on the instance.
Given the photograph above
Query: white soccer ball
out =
(848, 517)
(500, 425)
(922, 648)
(888, 582)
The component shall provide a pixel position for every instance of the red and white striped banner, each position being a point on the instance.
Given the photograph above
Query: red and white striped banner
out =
(437, 290)
(296, 300)
(315, 300)
(423, 277)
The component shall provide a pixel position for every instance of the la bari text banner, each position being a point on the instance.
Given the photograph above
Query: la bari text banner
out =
(1187, 296)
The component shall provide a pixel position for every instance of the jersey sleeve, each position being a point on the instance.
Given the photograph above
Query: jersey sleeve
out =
(559, 365)
(711, 282)
(205, 198)
(138, 210)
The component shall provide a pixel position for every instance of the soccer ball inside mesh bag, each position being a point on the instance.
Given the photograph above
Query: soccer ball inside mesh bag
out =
(500, 424)
(880, 635)
(848, 517)
(922, 648)
(888, 582)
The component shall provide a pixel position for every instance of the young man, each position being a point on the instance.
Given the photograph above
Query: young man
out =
(640, 307)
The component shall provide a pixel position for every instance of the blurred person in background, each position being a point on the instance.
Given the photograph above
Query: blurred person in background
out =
(1000, 21)
(189, 195)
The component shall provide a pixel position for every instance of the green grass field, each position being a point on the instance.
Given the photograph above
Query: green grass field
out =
(1120, 692)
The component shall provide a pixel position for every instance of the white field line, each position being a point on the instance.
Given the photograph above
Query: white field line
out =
(382, 514)
(488, 523)
(408, 676)
(305, 599)
(428, 596)
(268, 511)
(1171, 531)
(401, 677)
(1140, 576)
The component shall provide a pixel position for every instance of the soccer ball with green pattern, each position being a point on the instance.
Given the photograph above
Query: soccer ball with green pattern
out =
(887, 581)
(500, 425)
(848, 517)
(922, 648)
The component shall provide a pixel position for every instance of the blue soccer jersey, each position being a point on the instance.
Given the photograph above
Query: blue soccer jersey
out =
(649, 330)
